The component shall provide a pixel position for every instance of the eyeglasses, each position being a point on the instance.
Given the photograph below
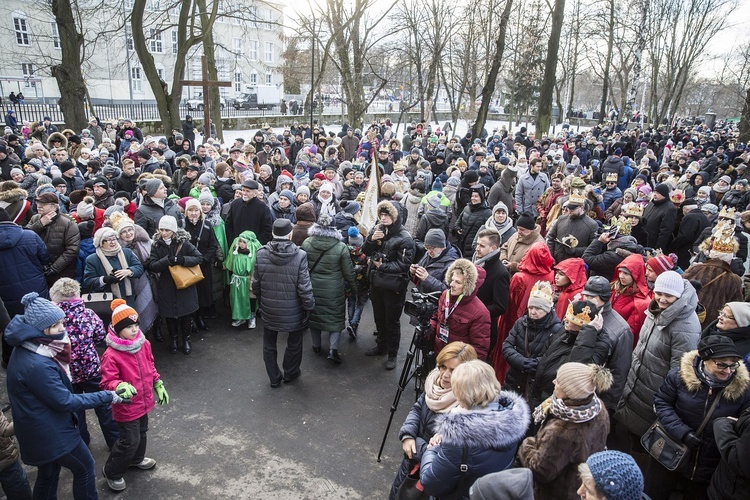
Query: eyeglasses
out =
(110, 240)
(724, 315)
(724, 366)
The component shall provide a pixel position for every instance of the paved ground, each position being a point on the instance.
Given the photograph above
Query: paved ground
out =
(228, 434)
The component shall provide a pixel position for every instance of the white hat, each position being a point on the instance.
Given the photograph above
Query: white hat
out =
(671, 283)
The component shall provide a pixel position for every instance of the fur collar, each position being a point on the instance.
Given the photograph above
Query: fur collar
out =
(733, 392)
(501, 425)
(13, 195)
(181, 236)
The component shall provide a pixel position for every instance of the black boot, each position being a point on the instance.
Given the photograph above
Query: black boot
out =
(199, 321)
(156, 330)
(211, 312)
(172, 329)
(187, 347)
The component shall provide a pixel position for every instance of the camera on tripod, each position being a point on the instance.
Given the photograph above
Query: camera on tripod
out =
(421, 307)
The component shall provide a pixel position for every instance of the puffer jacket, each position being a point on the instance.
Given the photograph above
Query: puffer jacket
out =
(517, 246)
(431, 219)
(331, 273)
(173, 303)
(681, 405)
(149, 213)
(613, 165)
(660, 219)
(470, 320)
(136, 368)
(621, 340)
(528, 191)
(632, 306)
(63, 241)
(732, 477)
(22, 257)
(491, 436)
(352, 190)
(527, 340)
(436, 269)
(85, 330)
(584, 228)
(396, 247)
(470, 222)
(281, 281)
(665, 337)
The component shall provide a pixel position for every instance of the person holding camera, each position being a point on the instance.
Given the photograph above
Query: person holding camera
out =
(391, 250)
(429, 272)
(460, 314)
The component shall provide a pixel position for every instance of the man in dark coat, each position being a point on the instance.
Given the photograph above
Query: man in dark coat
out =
(7, 162)
(281, 281)
(576, 224)
(660, 217)
(155, 206)
(493, 293)
(692, 225)
(60, 234)
(249, 214)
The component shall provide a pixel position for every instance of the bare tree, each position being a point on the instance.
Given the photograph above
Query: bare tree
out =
(544, 112)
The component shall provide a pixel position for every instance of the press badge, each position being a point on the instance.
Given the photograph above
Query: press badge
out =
(443, 333)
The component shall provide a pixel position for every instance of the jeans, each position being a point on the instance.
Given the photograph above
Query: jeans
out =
(292, 355)
(80, 463)
(129, 449)
(355, 306)
(103, 413)
(387, 307)
(14, 481)
(334, 338)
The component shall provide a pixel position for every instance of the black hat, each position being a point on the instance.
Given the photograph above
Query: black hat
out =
(717, 346)
(471, 176)
(689, 202)
(281, 227)
(250, 184)
(526, 221)
(597, 286)
(59, 182)
(123, 194)
(144, 153)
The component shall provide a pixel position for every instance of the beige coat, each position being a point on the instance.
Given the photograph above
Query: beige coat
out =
(516, 247)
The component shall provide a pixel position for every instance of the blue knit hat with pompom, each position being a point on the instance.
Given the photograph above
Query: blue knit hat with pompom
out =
(40, 312)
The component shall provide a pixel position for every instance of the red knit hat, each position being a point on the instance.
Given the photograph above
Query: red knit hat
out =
(662, 263)
(122, 315)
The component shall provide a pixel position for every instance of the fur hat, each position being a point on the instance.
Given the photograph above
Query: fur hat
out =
(64, 289)
(579, 381)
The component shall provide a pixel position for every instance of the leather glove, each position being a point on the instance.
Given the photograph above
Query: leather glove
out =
(161, 393)
(692, 441)
(108, 280)
(126, 390)
(116, 399)
(49, 271)
(177, 260)
(530, 365)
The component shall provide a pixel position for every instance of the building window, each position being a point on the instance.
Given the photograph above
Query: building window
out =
(153, 6)
(135, 78)
(269, 52)
(252, 52)
(254, 78)
(175, 44)
(238, 81)
(128, 5)
(129, 43)
(21, 25)
(27, 69)
(55, 35)
(155, 43)
(160, 73)
(252, 14)
(269, 79)
(238, 44)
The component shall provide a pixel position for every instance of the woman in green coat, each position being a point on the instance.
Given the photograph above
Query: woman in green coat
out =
(330, 267)
(211, 209)
(240, 262)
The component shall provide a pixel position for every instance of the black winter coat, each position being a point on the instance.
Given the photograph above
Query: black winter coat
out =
(601, 262)
(691, 227)
(431, 219)
(173, 303)
(659, 222)
(252, 216)
(224, 191)
(494, 291)
(149, 213)
(731, 481)
(470, 221)
(436, 269)
(527, 339)
(397, 249)
(204, 239)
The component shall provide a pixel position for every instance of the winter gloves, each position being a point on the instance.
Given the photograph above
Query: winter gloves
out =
(530, 365)
(692, 440)
(126, 390)
(161, 393)
(118, 397)
(177, 260)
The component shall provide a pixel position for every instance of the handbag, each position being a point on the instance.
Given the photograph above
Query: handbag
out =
(183, 276)
(99, 302)
(668, 451)
(411, 488)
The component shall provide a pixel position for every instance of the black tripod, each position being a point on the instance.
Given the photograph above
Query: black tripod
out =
(421, 356)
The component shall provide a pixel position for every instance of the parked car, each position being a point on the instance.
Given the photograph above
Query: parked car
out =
(196, 103)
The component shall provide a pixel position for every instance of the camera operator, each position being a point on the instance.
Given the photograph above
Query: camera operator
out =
(428, 274)
(494, 291)
(460, 314)
(391, 251)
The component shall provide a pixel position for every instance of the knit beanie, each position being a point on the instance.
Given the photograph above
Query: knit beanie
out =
(325, 220)
(435, 238)
(671, 283)
(471, 176)
(662, 263)
(741, 313)
(542, 296)
(287, 194)
(437, 185)
(64, 289)
(151, 186)
(16, 170)
(616, 475)
(111, 210)
(85, 208)
(168, 222)
(517, 484)
(662, 189)
(351, 207)
(122, 315)
(355, 238)
(303, 190)
(102, 234)
(192, 202)
(526, 221)
(206, 196)
(579, 381)
(453, 181)
(710, 209)
(40, 312)
(120, 221)
(434, 201)
(326, 187)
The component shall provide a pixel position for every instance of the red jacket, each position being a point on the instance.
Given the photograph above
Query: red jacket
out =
(632, 306)
(469, 322)
(98, 218)
(575, 270)
(136, 369)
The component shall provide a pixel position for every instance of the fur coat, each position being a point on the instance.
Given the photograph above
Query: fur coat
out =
(720, 285)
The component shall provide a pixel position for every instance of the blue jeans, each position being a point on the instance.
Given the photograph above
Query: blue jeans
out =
(103, 413)
(80, 463)
(292, 355)
(333, 338)
(355, 306)
(14, 481)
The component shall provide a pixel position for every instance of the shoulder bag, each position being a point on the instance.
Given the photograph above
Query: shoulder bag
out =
(670, 452)
(99, 302)
(185, 277)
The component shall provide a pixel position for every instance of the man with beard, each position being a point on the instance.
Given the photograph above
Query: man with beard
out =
(494, 291)
(573, 232)
(248, 213)
(660, 217)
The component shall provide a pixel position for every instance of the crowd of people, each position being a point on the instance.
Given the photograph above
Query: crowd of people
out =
(590, 285)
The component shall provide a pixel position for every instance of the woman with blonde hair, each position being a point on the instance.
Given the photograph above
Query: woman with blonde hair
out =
(478, 437)
(438, 398)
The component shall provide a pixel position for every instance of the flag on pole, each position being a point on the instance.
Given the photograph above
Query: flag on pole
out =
(372, 193)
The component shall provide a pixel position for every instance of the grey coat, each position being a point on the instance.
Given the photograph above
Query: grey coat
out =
(282, 283)
(620, 357)
(528, 191)
(664, 338)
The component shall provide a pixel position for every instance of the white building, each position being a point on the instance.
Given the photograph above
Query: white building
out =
(247, 36)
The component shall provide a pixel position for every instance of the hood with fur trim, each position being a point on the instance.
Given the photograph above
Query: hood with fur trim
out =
(13, 195)
(322, 231)
(734, 391)
(472, 278)
(501, 425)
(60, 137)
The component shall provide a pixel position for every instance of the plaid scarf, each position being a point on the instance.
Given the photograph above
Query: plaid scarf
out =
(57, 349)
(575, 414)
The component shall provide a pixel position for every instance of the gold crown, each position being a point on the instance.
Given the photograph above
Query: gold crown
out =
(569, 241)
(580, 319)
(611, 177)
(632, 210)
(621, 224)
(730, 213)
(542, 290)
(723, 239)
(577, 198)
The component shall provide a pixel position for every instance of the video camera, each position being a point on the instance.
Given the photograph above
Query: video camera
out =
(421, 307)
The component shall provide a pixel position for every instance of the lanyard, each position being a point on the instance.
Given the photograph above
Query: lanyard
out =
(448, 310)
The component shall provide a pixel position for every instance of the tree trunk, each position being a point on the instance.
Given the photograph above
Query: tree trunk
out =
(68, 73)
(607, 62)
(497, 58)
(213, 74)
(745, 119)
(544, 111)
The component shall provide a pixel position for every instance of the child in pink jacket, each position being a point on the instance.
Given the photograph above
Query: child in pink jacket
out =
(129, 364)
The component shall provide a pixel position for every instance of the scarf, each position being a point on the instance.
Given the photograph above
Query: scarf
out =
(721, 189)
(709, 379)
(108, 269)
(480, 261)
(124, 345)
(501, 228)
(575, 414)
(56, 347)
(438, 399)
